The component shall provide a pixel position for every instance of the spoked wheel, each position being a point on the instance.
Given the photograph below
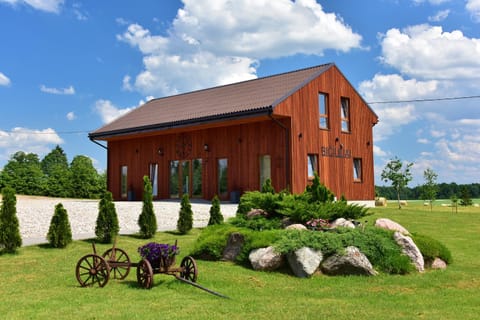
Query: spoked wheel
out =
(119, 261)
(92, 269)
(189, 267)
(145, 274)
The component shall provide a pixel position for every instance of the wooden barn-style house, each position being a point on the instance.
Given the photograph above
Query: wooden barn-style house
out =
(229, 139)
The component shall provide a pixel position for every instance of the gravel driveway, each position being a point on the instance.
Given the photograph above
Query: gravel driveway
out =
(35, 213)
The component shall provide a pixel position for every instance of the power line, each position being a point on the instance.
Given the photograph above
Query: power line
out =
(425, 100)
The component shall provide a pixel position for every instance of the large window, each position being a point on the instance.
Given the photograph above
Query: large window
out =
(345, 112)
(312, 163)
(197, 178)
(124, 182)
(265, 169)
(357, 169)
(323, 110)
(174, 179)
(154, 178)
(222, 172)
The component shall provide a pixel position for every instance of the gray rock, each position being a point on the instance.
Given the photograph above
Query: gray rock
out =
(266, 259)
(410, 249)
(353, 262)
(256, 212)
(304, 261)
(438, 264)
(342, 222)
(234, 246)
(390, 225)
(296, 226)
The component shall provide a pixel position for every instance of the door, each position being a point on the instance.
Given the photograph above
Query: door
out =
(186, 178)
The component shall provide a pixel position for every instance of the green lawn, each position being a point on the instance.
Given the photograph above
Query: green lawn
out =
(40, 283)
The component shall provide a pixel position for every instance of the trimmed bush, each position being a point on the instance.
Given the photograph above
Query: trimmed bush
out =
(185, 217)
(59, 233)
(147, 220)
(10, 238)
(216, 216)
(107, 227)
(257, 223)
(267, 187)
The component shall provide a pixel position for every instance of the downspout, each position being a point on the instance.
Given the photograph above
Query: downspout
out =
(98, 143)
(287, 149)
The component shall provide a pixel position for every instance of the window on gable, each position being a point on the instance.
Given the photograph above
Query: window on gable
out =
(345, 112)
(323, 110)
(312, 163)
(357, 169)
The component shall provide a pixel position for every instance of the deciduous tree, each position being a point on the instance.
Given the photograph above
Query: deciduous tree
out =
(399, 174)
(430, 187)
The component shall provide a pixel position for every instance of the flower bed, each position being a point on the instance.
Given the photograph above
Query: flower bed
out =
(160, 255)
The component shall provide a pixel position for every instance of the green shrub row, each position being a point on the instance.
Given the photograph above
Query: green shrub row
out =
(377, 244)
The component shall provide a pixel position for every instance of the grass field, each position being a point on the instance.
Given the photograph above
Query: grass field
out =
(39, 283)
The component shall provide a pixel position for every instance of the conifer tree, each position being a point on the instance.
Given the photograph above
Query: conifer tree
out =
(216, 216)
(10, 238)
(59, 233)
(147, 220)
(106, 228)
(185, 218)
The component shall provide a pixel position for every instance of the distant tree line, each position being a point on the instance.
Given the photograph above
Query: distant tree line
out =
(445, 191)
(52, 176)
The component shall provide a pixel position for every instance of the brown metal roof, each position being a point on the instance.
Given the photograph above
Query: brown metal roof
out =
(248, 98)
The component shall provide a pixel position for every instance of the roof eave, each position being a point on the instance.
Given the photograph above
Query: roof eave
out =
(182, 123)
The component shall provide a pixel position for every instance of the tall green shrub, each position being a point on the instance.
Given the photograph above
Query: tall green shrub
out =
(107, 227)
(147, 219)
(185, 217)
(10, 238)
(216, 216)
(59, 233)
(267, 187)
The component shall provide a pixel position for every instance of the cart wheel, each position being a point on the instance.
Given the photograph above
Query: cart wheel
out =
(92, 269)
(115, 256)
(189, 267)
(145, 274)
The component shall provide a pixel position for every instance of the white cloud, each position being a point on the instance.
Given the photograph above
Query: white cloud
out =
(109, 112)
(377, 151)
(66, 91)
(223, 42)
(473, 6)
(4, 80)
(27, 140)
(430, 53)
(53, 6)
(440, 16)
(71, 116)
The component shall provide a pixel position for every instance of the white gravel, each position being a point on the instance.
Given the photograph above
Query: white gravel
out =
(34, 215)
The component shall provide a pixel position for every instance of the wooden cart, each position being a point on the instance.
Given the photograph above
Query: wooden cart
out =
(93, 269)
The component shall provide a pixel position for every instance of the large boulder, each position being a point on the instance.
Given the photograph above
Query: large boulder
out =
(410, 249)
(390, 225)
(234, 246)
(342, 222)
(304, 261)
(266, 259)
(353, 262)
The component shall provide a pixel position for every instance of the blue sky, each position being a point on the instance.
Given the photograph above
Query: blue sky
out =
(68, 67)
